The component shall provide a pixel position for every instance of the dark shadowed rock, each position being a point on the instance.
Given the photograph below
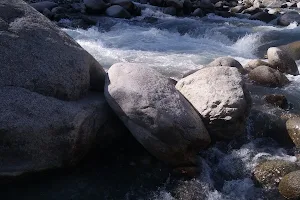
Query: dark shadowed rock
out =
(157, 115)
(36, 55)
(197, 13)
(277, 100)
(289, 186)
(220, 96)
(38, 132)
(282, 61)
(95, 6)
(263, 16)
(269, 173)
(41, 6)
(267, 76)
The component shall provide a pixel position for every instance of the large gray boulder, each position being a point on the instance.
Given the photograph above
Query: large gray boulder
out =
(39, 132)
(220, 96)
(36, 55)
(157, 115)
(289, 17)
(267, 76)
(282, 61)
(252, 64)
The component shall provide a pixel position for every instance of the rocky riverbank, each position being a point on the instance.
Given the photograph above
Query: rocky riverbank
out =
(60, 108)
(84, 14)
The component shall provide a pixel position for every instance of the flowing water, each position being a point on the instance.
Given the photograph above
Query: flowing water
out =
(174, 45)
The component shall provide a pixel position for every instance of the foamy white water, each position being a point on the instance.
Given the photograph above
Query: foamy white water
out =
(174, 45)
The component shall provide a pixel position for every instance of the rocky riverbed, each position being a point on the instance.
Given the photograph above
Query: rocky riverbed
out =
(149, 100)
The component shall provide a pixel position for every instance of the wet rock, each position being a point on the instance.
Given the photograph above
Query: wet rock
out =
(252, 64)
(289, 17)
(277, 100)
(156, 2)
(157, 115)
(95, 6)
(272, 3)
(187, 7)
(293, 49)
(197, 13)
(227, 61)
(268, 122)
(281, 60)
(220, 96)
(41, 6)
(237, 9)
(117, 12)
(32, 39)
(289, 186)
(39, 132)
(178, 4)
(267, 76)
(269, 173)
(263, 16)
(293, 127)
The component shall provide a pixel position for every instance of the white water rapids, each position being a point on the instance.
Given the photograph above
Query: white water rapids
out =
(174, 45)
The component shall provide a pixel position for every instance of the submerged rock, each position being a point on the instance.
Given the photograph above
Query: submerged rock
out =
(289, 186)
(281, 60)
(288, 18)
(220, 96)
(157, 115)
(227, 61)
(197, 13)
(269, 173)
(293, 127)
(38, 132)
(267, 76)
(36, 55)
(117, 12)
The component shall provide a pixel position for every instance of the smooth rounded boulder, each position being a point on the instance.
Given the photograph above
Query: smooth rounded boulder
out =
(282, 61)
(227, 61)
(39, 132)
(157, 115)
(38, 56)
(41, 6)
(269, 173)
(220, 96)
(289, 186)
(95, 6)
(267, 76)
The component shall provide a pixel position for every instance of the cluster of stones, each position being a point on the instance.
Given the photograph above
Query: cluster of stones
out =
(82, 14)
(57, 101)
